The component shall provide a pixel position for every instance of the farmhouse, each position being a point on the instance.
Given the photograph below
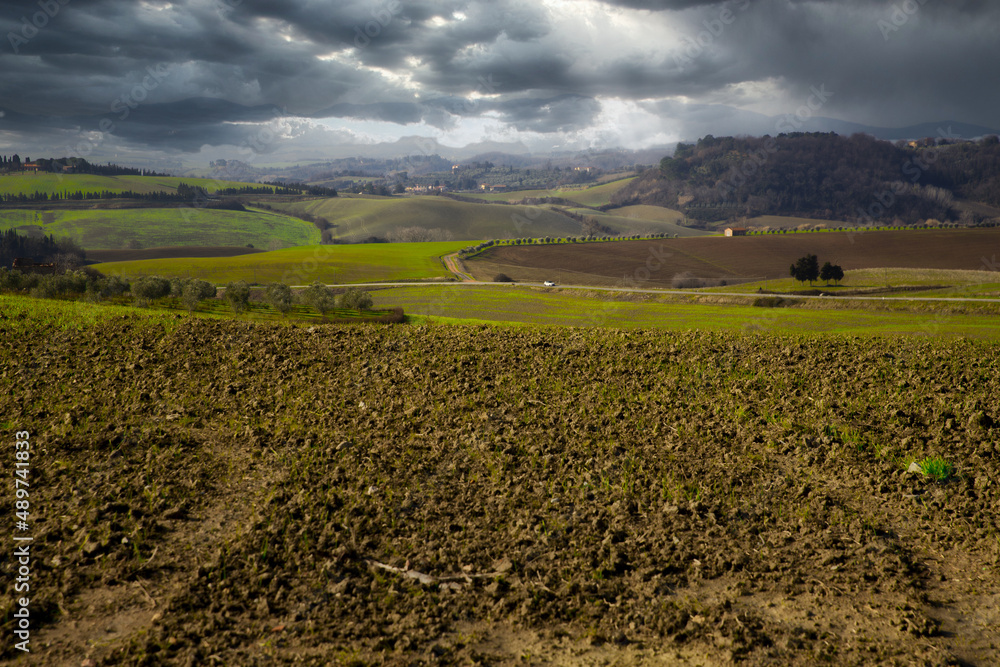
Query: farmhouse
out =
(736, 231)
(26, 265)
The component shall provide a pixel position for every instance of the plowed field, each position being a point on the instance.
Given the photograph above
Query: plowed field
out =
(211, 492)
(655, 263)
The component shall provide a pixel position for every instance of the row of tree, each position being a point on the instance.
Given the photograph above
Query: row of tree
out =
(76, 165)
(38, 249)
(191, 292)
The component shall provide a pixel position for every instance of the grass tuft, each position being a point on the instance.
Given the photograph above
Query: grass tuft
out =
(936, 467)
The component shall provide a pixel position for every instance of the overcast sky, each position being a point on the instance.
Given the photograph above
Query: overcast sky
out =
(203, 78)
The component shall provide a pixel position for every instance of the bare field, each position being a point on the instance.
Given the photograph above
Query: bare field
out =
(261, 494)
(169, 253)
(654, 263)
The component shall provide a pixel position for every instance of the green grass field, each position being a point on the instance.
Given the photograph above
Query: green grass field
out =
(23, 313)
(107, 229)
(361, 217)
(597, 195)
(370, 262)
(530, 306)
(28, 183)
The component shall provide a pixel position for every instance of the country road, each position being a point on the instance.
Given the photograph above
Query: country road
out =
(451, 263)
(635, 290)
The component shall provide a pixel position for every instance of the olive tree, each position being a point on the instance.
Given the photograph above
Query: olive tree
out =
(320, 297)
(149, 288)
(356, 299)
(237, 295)
(195, 291)
(279, 297)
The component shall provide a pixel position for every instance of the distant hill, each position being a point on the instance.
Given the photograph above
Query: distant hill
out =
(814, 175)
(28, 183)
(356, 218)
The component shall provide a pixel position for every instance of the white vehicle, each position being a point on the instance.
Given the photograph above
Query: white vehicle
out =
(549, 283)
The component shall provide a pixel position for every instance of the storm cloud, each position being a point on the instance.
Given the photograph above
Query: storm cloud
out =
(189, 75)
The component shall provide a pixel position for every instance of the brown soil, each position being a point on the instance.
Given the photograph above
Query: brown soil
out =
(655, 263)
(225, 493)
(168, 252)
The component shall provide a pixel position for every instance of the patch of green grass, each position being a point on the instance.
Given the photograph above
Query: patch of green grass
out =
(936, 467)
(369, 262)
(509, 304)
(26, 314)
(156, 227)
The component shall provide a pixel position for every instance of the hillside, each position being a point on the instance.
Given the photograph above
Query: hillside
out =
(595, 195)
(357, 218)
(640, 220)
(826, 176)
(28, 183)
(157, 227)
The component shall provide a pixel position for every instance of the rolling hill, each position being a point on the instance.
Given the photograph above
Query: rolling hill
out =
(595, 195)
(822, 176)
(28, 183)
(361, 217)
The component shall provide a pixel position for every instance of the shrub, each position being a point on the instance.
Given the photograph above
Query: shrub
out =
(103, 288)
(686, 280)
(502, 278)
(12, 279)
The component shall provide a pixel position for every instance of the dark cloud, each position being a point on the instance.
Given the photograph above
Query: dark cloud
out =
(202, 72)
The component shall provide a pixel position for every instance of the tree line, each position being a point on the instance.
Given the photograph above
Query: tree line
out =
(190, 293)
(77, 165)
(39, 249)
